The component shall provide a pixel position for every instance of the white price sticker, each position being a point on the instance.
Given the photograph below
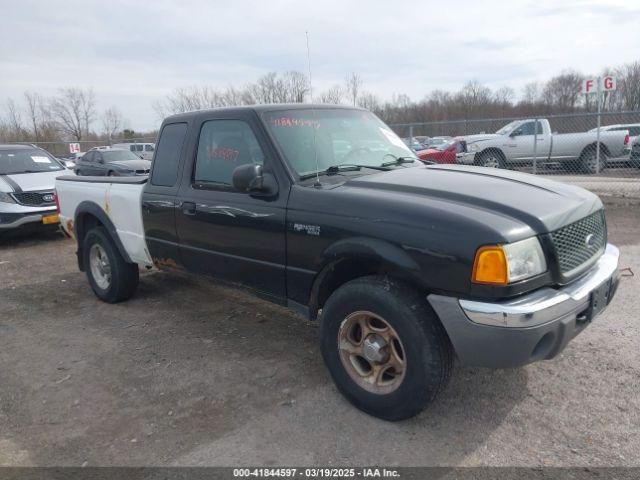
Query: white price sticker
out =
(40, 159)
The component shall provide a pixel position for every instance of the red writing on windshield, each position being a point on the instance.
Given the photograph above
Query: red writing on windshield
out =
(294, 122)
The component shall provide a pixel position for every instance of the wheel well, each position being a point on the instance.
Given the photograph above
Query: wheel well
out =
(592, 148)
(340, 272)
(495, 150)
(85, 221)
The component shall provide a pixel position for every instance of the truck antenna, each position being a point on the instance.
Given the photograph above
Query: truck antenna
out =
(313, 113)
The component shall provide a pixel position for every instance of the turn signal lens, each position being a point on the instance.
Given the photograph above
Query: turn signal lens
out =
(490, 266)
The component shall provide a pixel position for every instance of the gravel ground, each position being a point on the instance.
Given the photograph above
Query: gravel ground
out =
(192, 373)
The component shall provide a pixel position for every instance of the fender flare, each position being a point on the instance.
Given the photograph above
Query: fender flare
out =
(391, 257)
(91, 208)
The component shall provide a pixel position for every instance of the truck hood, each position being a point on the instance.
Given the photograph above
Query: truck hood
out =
(132, 164)
(541, 204)
(30, 181)
(479, 138)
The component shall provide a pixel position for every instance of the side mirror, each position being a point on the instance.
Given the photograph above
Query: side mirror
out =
(252, 179)
(515, 133)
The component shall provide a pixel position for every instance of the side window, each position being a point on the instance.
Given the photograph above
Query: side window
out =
(528, 129)
(148, 148)
(97, 157)
(223, 146)
(132, 148)
(165, 164)
(138, 148)
(634, 131)
(88, 157)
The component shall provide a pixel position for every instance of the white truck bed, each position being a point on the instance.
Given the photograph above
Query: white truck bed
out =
(120, 199)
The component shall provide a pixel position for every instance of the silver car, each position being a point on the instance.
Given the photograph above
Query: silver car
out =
(27, 180)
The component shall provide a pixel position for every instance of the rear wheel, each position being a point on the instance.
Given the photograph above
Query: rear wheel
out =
(384, 346)
(590, 162)
(110, 276)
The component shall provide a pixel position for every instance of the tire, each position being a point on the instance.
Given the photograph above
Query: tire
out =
(115, 281)
(590, 163)
(491, 159)
(111, 174)
(426, 349)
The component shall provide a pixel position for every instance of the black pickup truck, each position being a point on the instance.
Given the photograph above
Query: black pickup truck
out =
(325, 210)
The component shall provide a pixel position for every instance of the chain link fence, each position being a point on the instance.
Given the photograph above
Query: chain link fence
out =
(569, 147)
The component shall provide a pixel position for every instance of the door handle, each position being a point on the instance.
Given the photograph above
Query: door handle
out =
(188, 208)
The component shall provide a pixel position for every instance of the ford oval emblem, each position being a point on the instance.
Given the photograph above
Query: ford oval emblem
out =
(590, 240)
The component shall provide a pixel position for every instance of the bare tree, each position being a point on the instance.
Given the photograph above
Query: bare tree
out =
(297, 86)
(531, 93)
(563, 91)
(627, 93)
(74, 111)
(370, 101)
(353, 83)
(111, 121)
(333, 95)
(504, 95)
(14, 119)
(35, 110)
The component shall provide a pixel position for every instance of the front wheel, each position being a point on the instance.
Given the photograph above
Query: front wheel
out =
(385, 348)
(491, 159)
(110, 276)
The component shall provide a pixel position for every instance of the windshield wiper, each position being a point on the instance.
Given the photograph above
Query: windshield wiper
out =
(397, 160)
(345, 167)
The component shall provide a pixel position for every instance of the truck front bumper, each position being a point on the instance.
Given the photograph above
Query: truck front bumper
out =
(533, 327)
(466, 158)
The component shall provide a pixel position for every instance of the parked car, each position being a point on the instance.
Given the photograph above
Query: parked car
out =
(112, 162)
(513, 144)
(142, 150)
(435, 142)
(423, 139)
(27, 177)
(444, 153)
(634, 134)
(413, 144)
(405, 266)
(632, 128)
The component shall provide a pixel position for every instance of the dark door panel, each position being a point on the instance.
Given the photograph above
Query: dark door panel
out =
(222, 232)
(235, 239)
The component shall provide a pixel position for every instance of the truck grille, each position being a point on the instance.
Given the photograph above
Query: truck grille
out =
(580, 242)
(35, 199)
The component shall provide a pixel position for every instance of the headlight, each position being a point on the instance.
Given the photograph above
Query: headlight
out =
(6, 198)
(473, 147)
(504, 264)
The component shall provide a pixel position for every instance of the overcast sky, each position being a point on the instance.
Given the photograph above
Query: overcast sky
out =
(135, 52)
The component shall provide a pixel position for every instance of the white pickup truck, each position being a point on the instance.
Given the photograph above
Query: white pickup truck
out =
(518, 143)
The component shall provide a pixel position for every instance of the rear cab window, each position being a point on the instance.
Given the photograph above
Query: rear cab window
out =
(166, 162)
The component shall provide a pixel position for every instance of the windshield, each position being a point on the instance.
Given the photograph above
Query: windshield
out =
(27, 161)
(508, 127)
(340, 136)
(118, 155)
(446, 144)
(437, 142)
